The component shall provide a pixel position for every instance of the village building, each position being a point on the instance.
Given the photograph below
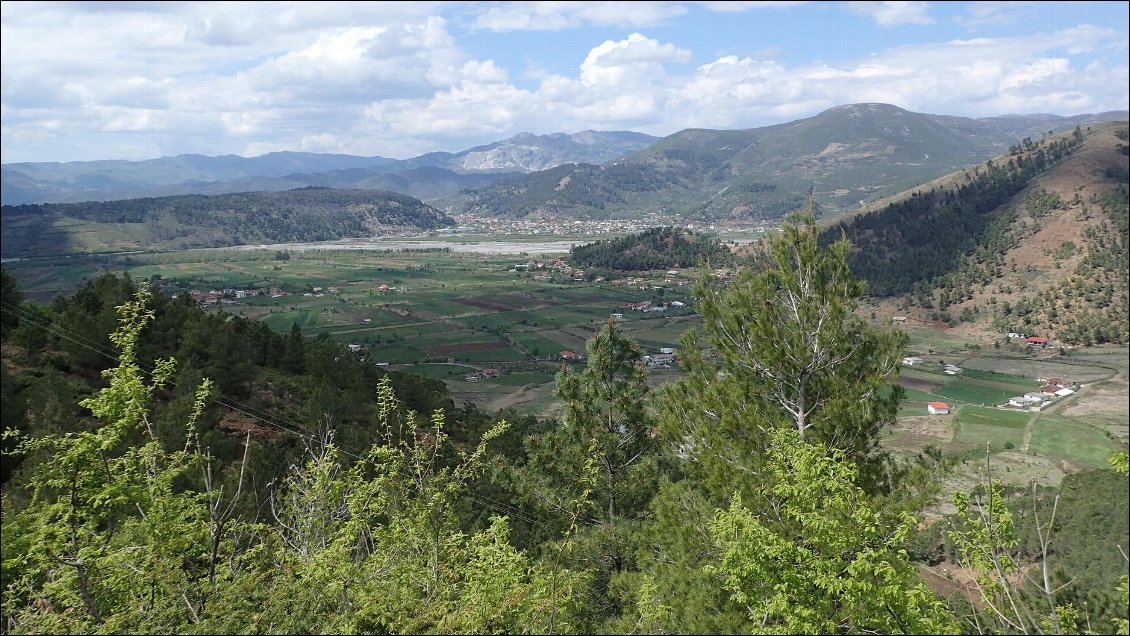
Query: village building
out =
(1024, 401)
(937, 408)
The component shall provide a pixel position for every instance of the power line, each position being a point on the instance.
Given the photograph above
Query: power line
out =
(298, 430)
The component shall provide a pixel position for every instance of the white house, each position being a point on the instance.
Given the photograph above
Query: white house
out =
(911, 361)
(938, 408)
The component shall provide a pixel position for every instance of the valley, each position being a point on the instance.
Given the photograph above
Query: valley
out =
(496, 321)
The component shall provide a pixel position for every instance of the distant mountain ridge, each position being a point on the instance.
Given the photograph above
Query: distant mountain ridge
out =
(22, 183)
(846, 155)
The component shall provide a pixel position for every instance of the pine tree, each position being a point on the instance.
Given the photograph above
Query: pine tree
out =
(787, 351)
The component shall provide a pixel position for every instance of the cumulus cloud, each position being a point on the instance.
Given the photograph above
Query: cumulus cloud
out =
(134, 81)
(629, 61)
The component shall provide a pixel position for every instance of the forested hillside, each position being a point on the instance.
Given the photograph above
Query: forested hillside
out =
(844, 156)
(657, 248)
(308, 214)
(1034, 241)
(192, 473)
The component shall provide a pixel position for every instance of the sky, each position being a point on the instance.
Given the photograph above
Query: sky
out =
(85, 81)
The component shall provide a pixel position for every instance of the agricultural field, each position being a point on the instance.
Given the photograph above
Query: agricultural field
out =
(446, 315)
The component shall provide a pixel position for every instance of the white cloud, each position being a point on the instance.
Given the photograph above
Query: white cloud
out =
(555, 16)
(894, 13)
(737, 6)
(630, 61)
(136, 81)
(989, 13)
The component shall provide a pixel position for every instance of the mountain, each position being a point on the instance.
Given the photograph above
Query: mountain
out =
(184, 174)
(1033, 241)
(431, 175)
(528, 153)
(179, 222)
(846, 155)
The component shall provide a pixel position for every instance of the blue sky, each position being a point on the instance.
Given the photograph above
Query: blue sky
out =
(85, 81)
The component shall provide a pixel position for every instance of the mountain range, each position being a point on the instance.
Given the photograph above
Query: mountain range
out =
(426, 176)
(845, 156)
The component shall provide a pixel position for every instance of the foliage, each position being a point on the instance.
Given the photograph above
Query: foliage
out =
(317, 214)
(947, 237)
(654, 249)
(819, 559)
(1048, 560)
(116, 536)
(790, 353)
(108, 542)
(603, 453)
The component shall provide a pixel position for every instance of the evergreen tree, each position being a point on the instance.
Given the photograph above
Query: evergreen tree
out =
(604, 455)
(789, 353)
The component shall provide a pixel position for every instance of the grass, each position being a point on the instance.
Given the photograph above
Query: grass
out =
(963, 391)
(1000, 429)
(1072, 441)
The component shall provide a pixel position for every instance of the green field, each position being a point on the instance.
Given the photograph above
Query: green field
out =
(1000, 429)
(468, 308)
(1072, 441)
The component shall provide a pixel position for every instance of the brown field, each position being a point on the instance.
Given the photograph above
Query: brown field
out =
(483, 303)
(917, 384)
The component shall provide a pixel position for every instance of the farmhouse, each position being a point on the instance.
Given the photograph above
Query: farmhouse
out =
(911, 361)
(1024, 401)
(938, 408)
(569, 355)
(1036, 341)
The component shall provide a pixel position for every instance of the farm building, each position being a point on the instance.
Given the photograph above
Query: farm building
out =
(569, 355)
(1024, 401)
(911, 361)
(938, 408)
(1037, 341)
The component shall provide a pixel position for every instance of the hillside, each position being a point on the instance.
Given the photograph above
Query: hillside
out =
(427, 176)
(1034, 241)
(312, 214)
(846, 156)
(657, 248)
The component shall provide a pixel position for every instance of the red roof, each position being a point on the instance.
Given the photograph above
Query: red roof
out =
(1037, 339)
(938, 405)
